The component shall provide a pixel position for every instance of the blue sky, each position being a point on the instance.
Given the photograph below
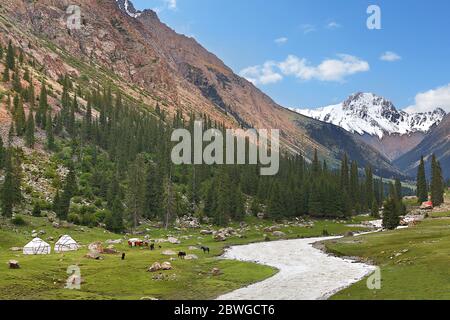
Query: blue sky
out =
(310, 53)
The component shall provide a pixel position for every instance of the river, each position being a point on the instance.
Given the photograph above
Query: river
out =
(305, 273)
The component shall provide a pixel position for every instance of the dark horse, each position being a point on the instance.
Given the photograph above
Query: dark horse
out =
(181, 255)
(152, 246)
(205, 249)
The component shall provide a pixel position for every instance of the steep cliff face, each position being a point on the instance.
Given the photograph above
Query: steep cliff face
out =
(155, 65)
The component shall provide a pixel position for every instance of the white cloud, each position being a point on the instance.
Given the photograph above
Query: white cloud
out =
(264, 74)
(432, 99)
(390, 56)
(328, 70)
(171, 4)
(281, 40)
(307, 28)
(333, 25)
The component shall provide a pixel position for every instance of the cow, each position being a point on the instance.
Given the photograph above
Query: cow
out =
(181, 255)
(152, 247)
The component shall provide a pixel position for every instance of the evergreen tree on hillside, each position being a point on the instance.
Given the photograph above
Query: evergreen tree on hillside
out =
(398, 189)
(10, 57)
(345, 183)
(70, 189)
(154, 194)
(41, 113)
(422, 186)
(7, 190)
(19, 116)
(369, 187)
(316, 163)
(17, 85)
(275, 207)
(6, 77)
(135, 196)
(2, 154)
(354, 185)
(49, 133)
(437, 183)
(114, 221)
(29, 131)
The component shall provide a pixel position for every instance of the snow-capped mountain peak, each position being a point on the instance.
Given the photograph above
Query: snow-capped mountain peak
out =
(368, 113)
(128, 7)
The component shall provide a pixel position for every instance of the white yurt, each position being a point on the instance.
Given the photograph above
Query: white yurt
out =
(66, 243)
(37, 246)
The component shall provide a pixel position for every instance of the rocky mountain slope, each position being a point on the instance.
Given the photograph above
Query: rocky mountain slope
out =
(153, 65)
(367, 113)
(437, 141)
(377, 121)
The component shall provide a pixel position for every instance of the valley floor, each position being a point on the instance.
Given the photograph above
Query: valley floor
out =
(414, 262)
(44, 277)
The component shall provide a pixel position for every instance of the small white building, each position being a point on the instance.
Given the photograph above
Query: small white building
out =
(66, 243)
(37, 246)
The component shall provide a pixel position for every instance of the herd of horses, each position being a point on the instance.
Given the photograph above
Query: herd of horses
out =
(151, 246)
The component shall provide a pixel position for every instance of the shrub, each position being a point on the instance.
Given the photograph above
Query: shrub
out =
(73, 218)
(36, 210)
(18, 221)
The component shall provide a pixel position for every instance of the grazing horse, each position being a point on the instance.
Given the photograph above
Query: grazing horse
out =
(152, 247)
(181, 255)
(205, 249)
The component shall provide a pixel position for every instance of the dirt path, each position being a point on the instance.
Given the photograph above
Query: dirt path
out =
(305, 273)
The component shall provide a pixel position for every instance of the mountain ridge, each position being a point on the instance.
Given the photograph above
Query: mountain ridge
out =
(368, 113)
(146, 58)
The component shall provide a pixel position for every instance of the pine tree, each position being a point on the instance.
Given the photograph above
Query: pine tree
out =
(49, 133)
(114, 221)
(374, 209)
(7, 191)
(17, 85)
(391, 217)
(31, 96)
(135, 197)
(2, 154)
(154, 194)
(6, 77)
(10, 57)
(316, 163)
(422, 186)
(345, 184)
(70, 189)
(398, 189)
(29, 131)
(43, 107)
(19, 117)
(369, 187)
(437, 185)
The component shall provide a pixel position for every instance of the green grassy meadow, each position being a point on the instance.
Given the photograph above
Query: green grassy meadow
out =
(414, 262)
(44, 277)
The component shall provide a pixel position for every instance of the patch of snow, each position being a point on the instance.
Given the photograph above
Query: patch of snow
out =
(367, 113)
(127, 6)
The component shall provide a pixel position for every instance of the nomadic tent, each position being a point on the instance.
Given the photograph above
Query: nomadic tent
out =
(66, 243)
(37, 246)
